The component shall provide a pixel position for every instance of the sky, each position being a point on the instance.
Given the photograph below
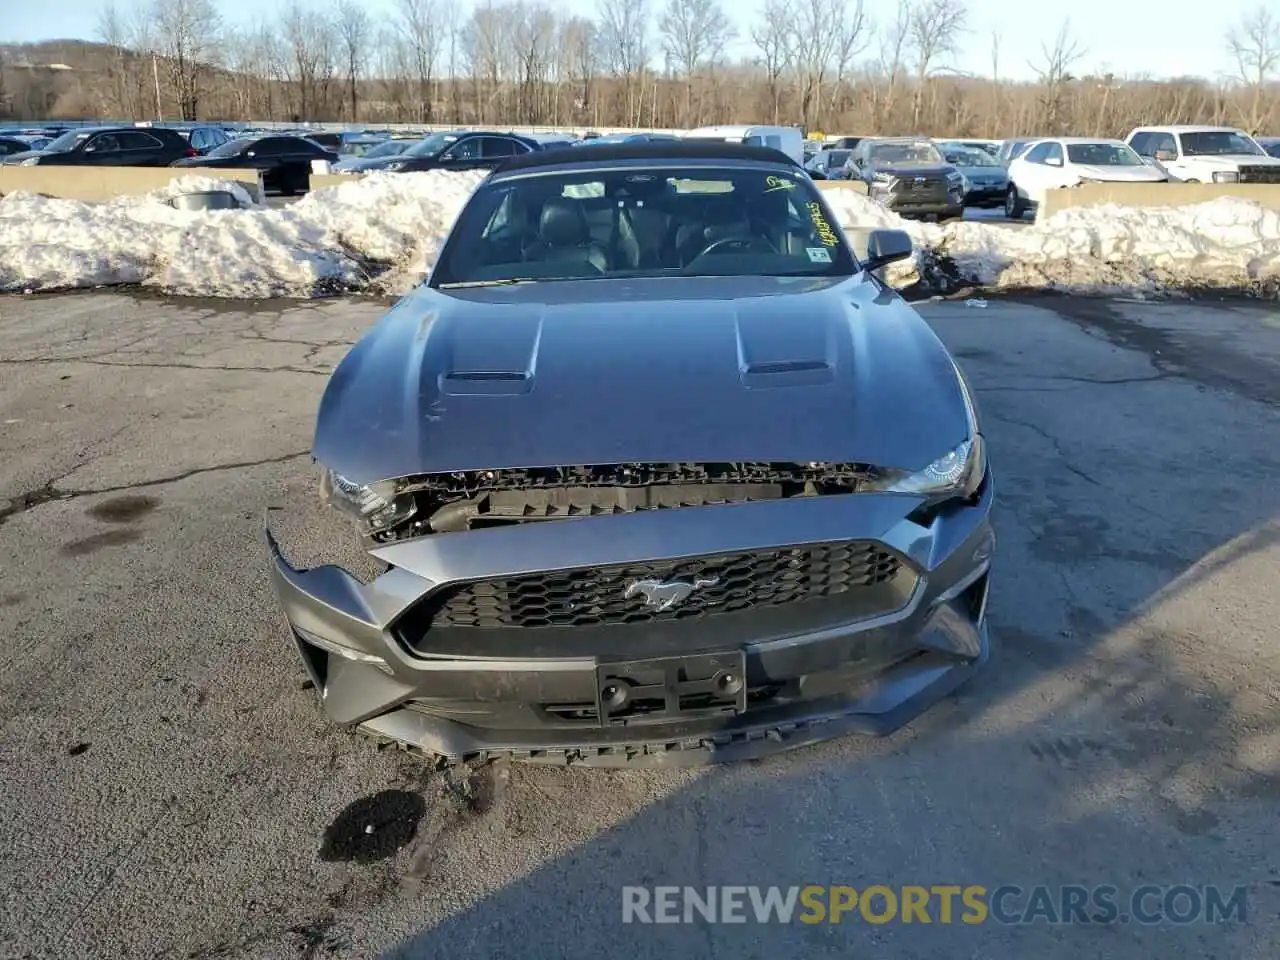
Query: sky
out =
(1124, 37)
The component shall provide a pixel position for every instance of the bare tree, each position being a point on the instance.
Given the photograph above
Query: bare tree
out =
(186, 37)
(894, 38)
(693, 33)
(624, 34)
(353, 29)
(1054, 73)
(934, 29)
(580, 45)
(422, 26)
(312, 58)
(486, 43)
(112, 30)
(994, 119)
(1254, 44)
(771, 34)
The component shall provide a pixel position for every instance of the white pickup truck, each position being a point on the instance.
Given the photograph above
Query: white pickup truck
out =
(1205, 154)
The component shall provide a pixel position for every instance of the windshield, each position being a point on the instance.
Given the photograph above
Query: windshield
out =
(388, 148)
(1103, 155)
(836, 158)
(67, 142)
(968, 156)
(431, 146)
(653, 222)
(1208, 143)
(231, 148)
(905, 151)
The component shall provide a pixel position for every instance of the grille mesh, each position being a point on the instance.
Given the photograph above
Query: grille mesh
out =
(617, 594)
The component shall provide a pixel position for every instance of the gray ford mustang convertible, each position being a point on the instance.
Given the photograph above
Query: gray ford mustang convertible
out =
(650, 470)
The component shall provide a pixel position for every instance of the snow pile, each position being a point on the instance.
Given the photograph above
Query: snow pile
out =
(380, 233)
(1224, 244)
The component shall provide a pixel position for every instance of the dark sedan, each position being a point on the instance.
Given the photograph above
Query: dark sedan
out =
(469, 150)
(285, 162)
(109, 147)
(651, 470)
(1270, 144)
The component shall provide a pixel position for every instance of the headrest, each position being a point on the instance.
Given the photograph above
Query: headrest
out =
(563, 223)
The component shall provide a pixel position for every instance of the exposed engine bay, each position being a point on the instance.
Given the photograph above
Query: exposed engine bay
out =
(456, 502)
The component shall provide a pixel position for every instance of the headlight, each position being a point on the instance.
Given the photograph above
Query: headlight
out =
(1226, 176)
(29, 162)
(397, 165)
(957, 473)
(374, 506)
(881, 177)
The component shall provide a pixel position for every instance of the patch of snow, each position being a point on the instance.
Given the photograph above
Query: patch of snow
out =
(382, 233)
(378, 233)
(1223, 244)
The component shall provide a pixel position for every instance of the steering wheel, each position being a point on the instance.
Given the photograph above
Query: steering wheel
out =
(738, 245)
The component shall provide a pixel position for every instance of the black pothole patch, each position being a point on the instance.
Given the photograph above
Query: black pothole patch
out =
(373, 828)
(124, 509)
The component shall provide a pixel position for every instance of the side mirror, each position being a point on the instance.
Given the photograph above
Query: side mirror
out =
(885, 247)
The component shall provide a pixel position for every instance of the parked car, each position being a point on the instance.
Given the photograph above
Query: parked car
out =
(990, 147)
(788, 140)
(628, 138)
(776, 530)
(11, 145)
(108, 147)
(1206, 154)
(910, 176)
(985, 180)
(1009, 149)
(1270, 144)
(376, 157)
(202, 138)
(830, 164)
(842, 143)
(1069, 162)
(464, 150)
(285, 161)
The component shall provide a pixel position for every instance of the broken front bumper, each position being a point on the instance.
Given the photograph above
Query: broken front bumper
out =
(549, 700)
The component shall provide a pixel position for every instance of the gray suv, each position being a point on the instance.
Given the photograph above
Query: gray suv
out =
(910, 176)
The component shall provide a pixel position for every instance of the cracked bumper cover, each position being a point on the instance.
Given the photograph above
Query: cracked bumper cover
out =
(869, 675)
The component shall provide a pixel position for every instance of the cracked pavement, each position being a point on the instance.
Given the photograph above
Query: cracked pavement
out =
(169, 789)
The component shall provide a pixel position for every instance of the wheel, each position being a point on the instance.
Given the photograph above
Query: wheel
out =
(1014, 205)
(1191, 180)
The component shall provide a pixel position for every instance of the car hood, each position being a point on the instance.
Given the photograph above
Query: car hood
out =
(1119, 174)
(637, 371)
(23, 155)
(933, 171)
(1229, 161)
(984, 173)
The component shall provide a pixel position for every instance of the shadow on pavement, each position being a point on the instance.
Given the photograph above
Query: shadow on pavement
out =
(1126, 732)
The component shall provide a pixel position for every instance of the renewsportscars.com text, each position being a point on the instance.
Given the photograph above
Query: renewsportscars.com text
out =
(938, 903)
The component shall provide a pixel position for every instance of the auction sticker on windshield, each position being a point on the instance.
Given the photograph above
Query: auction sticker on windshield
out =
(819, 255)
(825, 233)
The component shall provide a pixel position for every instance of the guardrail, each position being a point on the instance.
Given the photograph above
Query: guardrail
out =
(91, 183)
(1155, 195)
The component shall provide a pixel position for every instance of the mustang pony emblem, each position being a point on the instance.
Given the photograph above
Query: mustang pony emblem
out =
(665, 594)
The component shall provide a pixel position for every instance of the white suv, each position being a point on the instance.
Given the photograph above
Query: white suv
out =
(1206, 154)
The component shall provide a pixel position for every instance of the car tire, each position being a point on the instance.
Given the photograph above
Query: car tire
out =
(1014, 205)
(1191, 180)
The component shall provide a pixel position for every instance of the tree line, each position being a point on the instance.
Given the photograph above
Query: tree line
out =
(825, 65)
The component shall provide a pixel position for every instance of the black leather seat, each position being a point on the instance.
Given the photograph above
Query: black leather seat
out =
(564, 236)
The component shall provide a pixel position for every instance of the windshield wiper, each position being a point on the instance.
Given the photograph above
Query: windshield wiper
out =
(503, 282)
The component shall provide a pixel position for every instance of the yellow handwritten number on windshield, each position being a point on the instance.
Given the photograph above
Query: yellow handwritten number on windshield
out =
(820, 224)
(778, 183)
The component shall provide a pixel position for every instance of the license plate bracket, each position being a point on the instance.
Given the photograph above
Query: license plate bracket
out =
(666, 689)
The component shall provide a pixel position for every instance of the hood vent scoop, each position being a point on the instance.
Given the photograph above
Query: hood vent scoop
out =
(485, 383)
(786, 373)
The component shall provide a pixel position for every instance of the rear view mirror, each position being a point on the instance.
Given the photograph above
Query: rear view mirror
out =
(885, 247)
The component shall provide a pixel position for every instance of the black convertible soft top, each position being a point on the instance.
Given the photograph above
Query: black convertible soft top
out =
(691, 149)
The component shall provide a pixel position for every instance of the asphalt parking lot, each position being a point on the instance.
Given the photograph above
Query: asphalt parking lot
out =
(169, 789)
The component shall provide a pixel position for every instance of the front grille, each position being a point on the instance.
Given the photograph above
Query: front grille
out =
(1260, 174)
(910, 188)
(633, 593)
